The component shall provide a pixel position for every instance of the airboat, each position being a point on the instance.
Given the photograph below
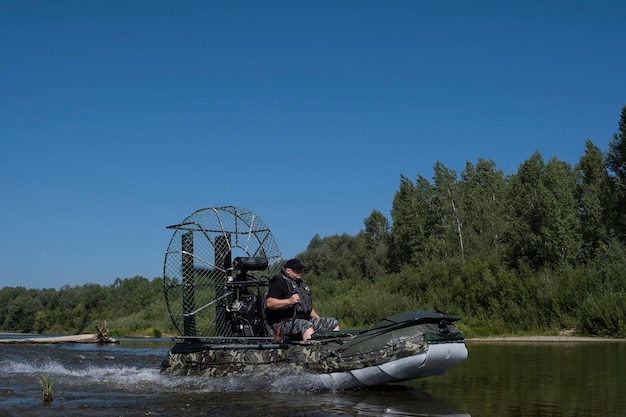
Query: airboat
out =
(216, 272)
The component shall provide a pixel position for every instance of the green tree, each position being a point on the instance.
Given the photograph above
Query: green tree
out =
(593, 194)
(21, 312)
(7, 295)
(132, 294)
(336, 257)
(484, 192)
(447, 240)
(616, 162)
(417, 231)
(544, 214)
(376, 227)
(561, 230)
(526, 195)
(376, 238)
(406, 237)
(45, 320)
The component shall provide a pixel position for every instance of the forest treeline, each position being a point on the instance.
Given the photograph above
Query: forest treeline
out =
(537, 251)
(131, 306)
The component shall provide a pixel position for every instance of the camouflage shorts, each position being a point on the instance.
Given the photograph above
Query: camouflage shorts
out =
(299, 326)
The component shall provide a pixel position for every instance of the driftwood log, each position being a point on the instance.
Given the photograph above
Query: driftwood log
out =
(102, 337)
(103, 334)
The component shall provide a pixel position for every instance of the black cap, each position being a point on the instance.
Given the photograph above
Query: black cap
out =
(294, 264)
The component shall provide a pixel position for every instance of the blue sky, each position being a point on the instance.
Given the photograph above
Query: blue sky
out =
(119, 118)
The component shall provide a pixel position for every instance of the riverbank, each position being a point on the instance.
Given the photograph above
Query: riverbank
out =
(80, 338)
(545, 339)
(92, 338)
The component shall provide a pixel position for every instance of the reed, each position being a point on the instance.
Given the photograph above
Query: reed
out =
(46, 384)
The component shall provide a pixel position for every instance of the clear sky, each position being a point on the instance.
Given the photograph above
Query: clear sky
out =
(119, 118)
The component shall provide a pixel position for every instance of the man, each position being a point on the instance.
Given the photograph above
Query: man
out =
(290, 305)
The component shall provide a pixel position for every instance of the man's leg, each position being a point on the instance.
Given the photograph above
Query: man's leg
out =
(306, 335)
(324, 324)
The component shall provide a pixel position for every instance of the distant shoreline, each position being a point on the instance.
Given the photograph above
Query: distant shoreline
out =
(545, 339)
(485, 339)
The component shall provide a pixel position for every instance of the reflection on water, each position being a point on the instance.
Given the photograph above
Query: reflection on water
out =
(496, 380)
(537, 379)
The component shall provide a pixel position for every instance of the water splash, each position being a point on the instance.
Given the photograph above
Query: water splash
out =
(149, 380)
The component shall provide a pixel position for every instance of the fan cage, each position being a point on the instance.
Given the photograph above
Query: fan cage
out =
(198, 266)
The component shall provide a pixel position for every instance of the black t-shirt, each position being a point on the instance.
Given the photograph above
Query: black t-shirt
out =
(278, 289)
(282, 287)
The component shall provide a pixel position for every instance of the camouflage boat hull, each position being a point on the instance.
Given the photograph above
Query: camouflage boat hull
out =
(399, 348)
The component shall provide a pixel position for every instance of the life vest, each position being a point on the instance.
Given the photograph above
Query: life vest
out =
(305, 306)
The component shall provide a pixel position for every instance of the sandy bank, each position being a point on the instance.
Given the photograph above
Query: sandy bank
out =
(80, 338)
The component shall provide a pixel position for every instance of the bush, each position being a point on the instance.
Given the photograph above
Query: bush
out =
(602, 314)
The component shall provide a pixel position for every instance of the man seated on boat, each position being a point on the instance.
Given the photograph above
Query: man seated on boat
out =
(290, 305)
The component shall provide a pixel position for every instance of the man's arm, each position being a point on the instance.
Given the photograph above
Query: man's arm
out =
(280, 303)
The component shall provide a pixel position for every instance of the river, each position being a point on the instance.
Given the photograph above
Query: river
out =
(498, 379)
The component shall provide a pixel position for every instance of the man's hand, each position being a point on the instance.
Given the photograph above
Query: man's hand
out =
(294, 299)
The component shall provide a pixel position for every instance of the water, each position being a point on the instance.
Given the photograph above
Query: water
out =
(507, 379)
